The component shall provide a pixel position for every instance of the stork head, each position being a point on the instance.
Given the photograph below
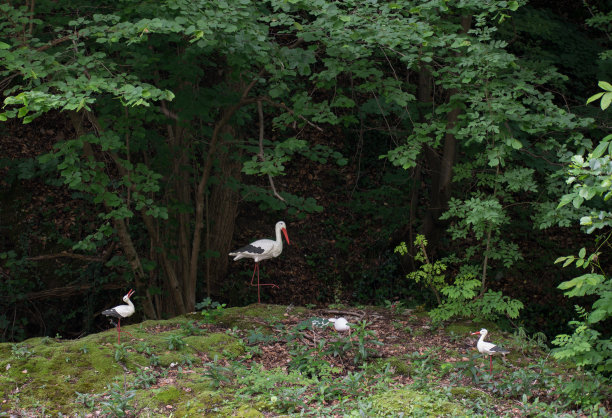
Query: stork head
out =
(283, 227)
(481, 332)
(127, 297)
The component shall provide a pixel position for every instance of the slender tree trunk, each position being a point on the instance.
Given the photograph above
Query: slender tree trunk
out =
(173, 282)
(223, 207)
(442, 168)
(200, 206)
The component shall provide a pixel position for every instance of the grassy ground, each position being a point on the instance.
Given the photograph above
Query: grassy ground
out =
(270, 360)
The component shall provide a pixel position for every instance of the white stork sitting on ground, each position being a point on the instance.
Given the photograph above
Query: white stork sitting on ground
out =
(341, 324)
(120, 312)
(262, 249)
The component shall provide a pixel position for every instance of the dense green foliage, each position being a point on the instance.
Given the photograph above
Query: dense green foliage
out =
(591, 343)
(465, 297)
(176, 116)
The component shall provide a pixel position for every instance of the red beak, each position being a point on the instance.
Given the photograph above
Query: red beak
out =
(130, 293)
(475, 333)
(286, 236)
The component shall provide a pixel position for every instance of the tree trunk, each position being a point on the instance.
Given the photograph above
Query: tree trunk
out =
(202, 186)
(441, 167)
(222, 214)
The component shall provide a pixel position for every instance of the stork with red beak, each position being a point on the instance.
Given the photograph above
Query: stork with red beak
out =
(488, 348)
(120, 312)
(262, 249)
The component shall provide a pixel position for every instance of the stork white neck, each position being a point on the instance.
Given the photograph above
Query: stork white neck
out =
(279, 239)
(483, 334)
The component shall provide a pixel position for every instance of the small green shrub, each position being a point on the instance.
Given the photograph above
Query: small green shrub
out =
(118, 402)
(144, 379)
(175, 342)
(210, 310)
(466, 297)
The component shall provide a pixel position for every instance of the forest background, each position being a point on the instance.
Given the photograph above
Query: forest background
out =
(433, 153)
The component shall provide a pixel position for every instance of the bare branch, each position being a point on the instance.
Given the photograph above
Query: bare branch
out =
(167, 111)
(68, 255)
(261, 150)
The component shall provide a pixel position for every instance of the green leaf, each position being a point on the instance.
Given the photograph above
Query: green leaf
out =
(582, 252)
(594, 97)
(597, 315)
(605, 85)
(601, 148)
(577, 201)
(4, 45)
(516, 144)
(513, 5)
(606, 100)
(565, 199)
(22, 112)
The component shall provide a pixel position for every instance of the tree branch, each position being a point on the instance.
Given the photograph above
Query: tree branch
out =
(261, 150)
(68, 255)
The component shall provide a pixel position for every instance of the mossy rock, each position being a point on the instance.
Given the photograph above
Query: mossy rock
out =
(409, 402)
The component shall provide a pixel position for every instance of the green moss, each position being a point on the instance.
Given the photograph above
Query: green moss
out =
(55, 370)
(413, 403)
(168, 395)
(466, 327)
(463, 392)
(216, 344)
(242, 317)
(246, 412)
(400, 366)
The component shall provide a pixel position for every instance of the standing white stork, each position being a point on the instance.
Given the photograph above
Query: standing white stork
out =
(488, 348)
(120, 312)
(262, 249)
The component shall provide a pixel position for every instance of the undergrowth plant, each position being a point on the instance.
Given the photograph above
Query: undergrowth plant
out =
(219, 375)
(118, 400)
(210, 309)
(175, 342)
(121, 351)
(144, 378)
(466, 296)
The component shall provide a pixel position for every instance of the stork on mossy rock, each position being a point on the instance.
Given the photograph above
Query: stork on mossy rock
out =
(120, 312)
(263, 249)
(489, 348)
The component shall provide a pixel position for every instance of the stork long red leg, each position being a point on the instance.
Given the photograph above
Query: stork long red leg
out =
(119, 332)
(256, 269)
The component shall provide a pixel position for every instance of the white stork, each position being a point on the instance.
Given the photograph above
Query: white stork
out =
(341, 324)
(488, 348)
(120, 312)
(262, 249)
